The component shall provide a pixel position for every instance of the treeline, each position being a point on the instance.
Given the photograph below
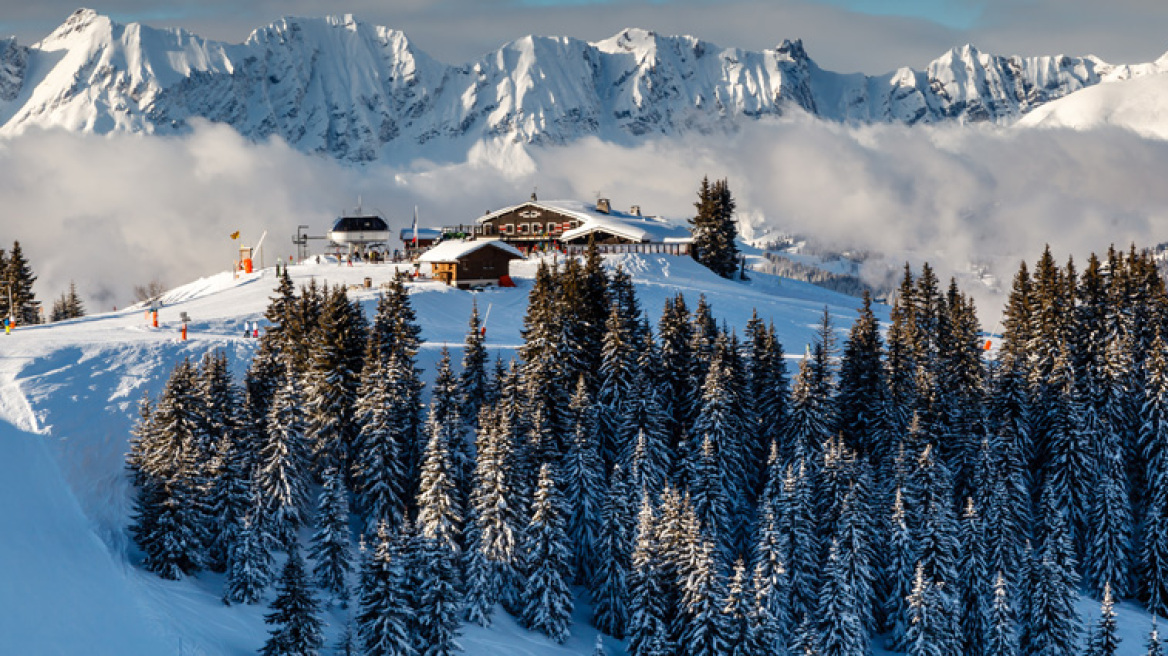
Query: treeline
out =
(903, 485)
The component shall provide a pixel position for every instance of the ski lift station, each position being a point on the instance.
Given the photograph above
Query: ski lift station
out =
(360, 232)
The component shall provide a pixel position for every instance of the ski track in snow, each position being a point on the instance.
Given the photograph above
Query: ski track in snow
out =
(69, 395)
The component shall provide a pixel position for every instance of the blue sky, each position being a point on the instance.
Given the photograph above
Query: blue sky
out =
(872, 36)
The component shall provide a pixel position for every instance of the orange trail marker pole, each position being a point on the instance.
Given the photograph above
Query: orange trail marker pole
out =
(184, 332)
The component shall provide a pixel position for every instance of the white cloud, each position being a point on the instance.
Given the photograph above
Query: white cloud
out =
(113, 212)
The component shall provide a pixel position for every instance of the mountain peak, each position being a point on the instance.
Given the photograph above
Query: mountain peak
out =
(792, 48)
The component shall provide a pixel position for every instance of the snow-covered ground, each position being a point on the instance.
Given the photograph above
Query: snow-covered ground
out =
(68, 395)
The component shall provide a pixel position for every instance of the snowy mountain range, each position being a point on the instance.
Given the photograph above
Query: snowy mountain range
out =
(360, 92)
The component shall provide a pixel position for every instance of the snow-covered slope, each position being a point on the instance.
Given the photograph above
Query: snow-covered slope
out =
(360, 92)
(68, 395)
(1140, 105)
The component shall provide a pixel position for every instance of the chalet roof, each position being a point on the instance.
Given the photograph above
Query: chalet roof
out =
(452, 251)
(629, 226)
(407, 234)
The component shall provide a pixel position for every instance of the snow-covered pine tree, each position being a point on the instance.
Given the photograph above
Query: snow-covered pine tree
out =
(674, 335)
(841, 607)
(933, 629)
(615, 546)
(169, 522)
(768, 389)
(228, 501)
(380, 475)
(796, 512)
(583, 474)
(721, 490)
(1053, 624)
(440, 511)
(473, 381)
(249, 562)
(1154, 645)
(618, 366)
(704, 627)
(1152, 569)
(810, 421)
(499, 519)
(1067, 463)
(862, 390)
(445, 411)
(900, 570)
(1104, 640)
(772, 617)
(297, 628)
(384, 616)
(331, 549)
(438, 608)
(396, 337)
(331, 380)
(1108, 545)
(648, 633)
(1001, 637)
(283, 474)
(547, 598)
(974, 577)
(742, 636)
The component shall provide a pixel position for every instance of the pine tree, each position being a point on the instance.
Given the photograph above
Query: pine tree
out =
(297, 630)
(772, 617)
(714, 230)
(841, 628)
(975, 582)
(497, 515)
(438, 600)
(616, 379)
(17, 272)
(900, 572)
(169, 522)
(741, 624)
(283, 473)
(1109, 523)
(547, 605)
(473, 381)
(384, 615)
(1053, 622)
(648, 633)
(933, 630)
(1154, 645)
(862, 392)
(69, 306)
(615, 546)
(440, 512)
(381, 473)
(331, 380)
(704, 626)
(331, 544)
(249, 563)
(1104, 641)
(583, 487)
(1001, 638)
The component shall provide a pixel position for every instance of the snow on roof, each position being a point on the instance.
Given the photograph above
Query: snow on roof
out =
(629, 226)
(450, 251)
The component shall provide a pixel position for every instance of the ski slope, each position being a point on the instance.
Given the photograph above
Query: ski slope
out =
(68, 397)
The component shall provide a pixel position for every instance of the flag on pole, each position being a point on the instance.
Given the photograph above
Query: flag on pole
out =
(415, 226)
(235, 235)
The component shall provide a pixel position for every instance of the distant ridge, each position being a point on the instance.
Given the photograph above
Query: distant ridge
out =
(359, 92)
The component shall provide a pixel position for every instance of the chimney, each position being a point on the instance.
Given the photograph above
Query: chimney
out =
(602, 205)
(533, 198)
(635, 210)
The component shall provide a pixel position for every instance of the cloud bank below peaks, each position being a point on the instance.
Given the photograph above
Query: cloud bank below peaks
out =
(118, 211)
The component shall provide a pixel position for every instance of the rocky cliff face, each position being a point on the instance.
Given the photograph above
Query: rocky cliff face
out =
(360, 92)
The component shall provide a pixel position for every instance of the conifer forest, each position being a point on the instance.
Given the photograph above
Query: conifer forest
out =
(899, 486)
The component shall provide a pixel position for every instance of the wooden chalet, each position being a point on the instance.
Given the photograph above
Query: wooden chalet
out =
(570, 225)
(471, 263)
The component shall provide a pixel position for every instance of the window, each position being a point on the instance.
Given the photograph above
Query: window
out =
(524, 228)
(537, 228)
(508, 228)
